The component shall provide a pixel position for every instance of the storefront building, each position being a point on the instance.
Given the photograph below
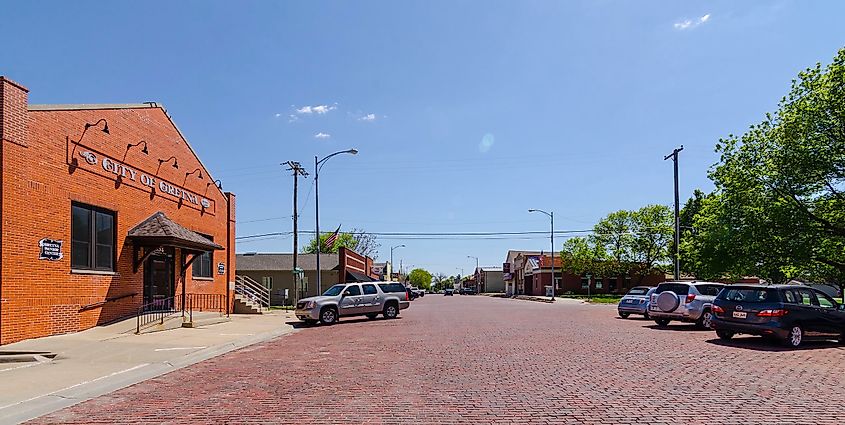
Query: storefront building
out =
(105, 212)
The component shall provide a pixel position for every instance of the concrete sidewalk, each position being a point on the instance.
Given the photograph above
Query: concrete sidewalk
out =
(107, 358)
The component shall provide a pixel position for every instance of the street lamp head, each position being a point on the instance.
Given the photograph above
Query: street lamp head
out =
(353, 151)
(532, 210)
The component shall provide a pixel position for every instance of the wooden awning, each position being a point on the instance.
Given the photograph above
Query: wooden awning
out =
(158, 230)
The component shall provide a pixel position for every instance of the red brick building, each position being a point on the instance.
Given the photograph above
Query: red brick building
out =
(105, 210)
(540, 276)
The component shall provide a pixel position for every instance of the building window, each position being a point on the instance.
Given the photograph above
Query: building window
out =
(585, 283)
(201, 267)
(599, 283)
(267, 281)
(92, 238)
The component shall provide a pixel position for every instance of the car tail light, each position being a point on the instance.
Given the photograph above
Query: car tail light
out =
(717, 309)
(690, 298)
(772, 313)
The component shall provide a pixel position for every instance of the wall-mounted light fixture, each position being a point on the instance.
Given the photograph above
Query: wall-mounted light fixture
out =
(131, 145)
(193, 172)
(217, 183)
(175, 162)
(88, 125)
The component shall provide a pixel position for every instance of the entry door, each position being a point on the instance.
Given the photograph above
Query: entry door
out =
(159, 285)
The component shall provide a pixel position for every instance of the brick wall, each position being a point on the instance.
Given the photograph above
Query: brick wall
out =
(40, 297)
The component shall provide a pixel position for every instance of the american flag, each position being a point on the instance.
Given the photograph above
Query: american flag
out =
(331, 239)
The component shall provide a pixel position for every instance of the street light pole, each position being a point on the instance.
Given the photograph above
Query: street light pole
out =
(477, 285)
(391, 259)
(317, 166)
(551, 216)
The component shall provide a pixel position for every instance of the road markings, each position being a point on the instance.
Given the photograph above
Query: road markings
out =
(179, 348)
(21, 367)
(76, 385)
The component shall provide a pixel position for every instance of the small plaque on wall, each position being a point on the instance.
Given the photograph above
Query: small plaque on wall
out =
(50, 250)
(221, 268)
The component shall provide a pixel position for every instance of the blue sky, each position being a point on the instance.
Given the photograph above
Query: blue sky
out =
(465, 113)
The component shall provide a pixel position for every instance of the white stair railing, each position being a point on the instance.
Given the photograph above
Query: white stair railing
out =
(253, 291)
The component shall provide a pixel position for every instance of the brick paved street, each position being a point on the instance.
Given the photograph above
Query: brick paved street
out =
(484, 360)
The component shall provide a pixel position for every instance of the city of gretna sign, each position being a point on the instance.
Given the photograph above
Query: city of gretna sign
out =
(122, 171)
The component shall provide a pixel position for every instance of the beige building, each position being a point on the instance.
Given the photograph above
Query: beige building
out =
(489, 279)
(276, 272)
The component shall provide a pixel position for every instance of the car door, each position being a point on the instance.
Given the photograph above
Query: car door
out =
(831, 319)
(370, 300)
(350, 303)
(813, 321)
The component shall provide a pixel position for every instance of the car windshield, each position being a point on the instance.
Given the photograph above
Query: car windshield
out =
(750, 295)
(638, 291)
(334, 291)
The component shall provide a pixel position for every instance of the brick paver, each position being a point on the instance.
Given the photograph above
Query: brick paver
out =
(480, 360)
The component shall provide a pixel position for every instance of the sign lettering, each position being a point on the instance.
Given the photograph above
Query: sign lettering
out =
(50, 250)
(122, 171)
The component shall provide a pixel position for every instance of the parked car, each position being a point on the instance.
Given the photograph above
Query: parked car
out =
(353, 299)
(467, 291)
(788, 313)
(412, 295)
(417, 291)
(449, 292)
(683, 301)
(636, 301)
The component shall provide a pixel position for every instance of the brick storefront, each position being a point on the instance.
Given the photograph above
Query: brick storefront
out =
(64, 164)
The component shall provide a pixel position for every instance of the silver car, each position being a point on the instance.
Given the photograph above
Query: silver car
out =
(353, 299)
(684, 302)
(636, 301)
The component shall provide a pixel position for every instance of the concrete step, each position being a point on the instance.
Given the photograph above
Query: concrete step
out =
(242, 305)
(204, 321)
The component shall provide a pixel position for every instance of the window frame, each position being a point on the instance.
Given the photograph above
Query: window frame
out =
(364, 290)
(92, 241)
(196, 272)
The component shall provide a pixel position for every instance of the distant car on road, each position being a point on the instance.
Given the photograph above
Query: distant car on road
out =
(789, 313)
(467, 291)
(684, 302)
(636, 301)
(449, 292)
(353, 299)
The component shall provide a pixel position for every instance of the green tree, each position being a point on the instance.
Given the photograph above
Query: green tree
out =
(420, 278)
(581, 256)
(357, 240)
(778, 210)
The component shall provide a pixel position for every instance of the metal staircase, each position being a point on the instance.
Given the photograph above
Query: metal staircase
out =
(251, 297)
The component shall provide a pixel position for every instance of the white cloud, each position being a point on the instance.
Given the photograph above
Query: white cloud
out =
(368, 117)
(278, 115)
(292, 118)
(317, 109)
(322, 135)
(687, 24)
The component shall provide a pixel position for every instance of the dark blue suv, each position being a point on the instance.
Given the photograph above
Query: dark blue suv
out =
(789, 313)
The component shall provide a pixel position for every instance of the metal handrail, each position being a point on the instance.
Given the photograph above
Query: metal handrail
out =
(205, 302)
(157, 311)
(256, 292)
(107, 300)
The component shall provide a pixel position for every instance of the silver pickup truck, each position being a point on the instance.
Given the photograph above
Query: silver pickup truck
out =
(354, 299)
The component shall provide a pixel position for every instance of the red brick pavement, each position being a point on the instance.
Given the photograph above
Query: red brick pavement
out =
(483, 360)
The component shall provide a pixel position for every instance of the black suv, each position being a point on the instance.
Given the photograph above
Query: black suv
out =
(790, 313)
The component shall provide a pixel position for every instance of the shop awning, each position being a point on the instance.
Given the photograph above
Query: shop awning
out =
(357, 277)
(158, 230)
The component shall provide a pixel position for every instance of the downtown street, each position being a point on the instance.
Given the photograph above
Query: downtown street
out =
(478, 359)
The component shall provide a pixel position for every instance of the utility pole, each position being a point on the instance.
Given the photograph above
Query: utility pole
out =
(297, 170)
(674, 156)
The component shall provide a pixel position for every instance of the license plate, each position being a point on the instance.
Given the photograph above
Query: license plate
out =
(740, 314)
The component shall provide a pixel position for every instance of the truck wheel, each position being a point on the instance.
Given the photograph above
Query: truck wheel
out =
(328, 316)
(391, 311)
(372, 315)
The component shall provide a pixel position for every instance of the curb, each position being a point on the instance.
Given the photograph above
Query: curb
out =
(75, 394)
